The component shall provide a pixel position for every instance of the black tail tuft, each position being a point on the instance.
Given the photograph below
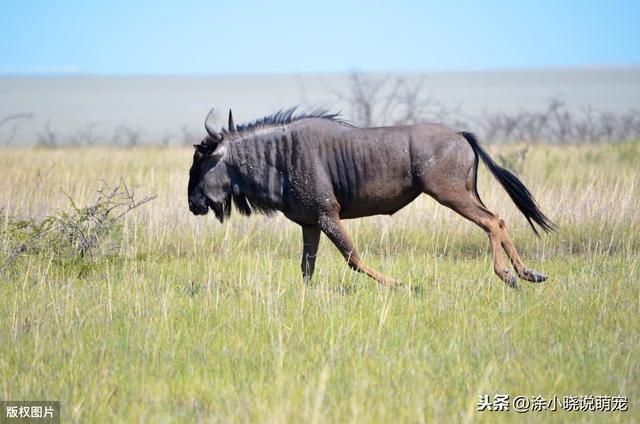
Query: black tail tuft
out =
(520, 194)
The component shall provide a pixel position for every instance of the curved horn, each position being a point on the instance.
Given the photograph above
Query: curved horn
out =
(208, 125)
(232, 126)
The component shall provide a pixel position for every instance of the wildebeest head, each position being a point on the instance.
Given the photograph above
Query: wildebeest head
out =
(209, 180)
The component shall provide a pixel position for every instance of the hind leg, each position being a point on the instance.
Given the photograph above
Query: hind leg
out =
(522, 271)
(452, 182)
(467, 205)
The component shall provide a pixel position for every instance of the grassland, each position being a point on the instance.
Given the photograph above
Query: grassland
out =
(193, 321)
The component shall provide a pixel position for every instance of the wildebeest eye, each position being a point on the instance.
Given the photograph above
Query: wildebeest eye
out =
(204, 149)
(208, 145)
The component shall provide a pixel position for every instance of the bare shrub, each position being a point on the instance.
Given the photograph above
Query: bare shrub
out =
(81, 232)
(85, 136)
(47, 138)
(557, 124)
(167, 139)
(364, 98)
(382, 100)
(126, 136)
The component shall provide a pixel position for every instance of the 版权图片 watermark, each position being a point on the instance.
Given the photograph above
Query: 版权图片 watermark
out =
(32, 411)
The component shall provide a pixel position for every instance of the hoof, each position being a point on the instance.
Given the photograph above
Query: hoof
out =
(538, 278)
(534, 277)
(394, 284)
(388, 282)
(508, 278)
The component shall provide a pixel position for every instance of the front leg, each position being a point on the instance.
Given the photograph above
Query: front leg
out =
(310, 240)
(332, 227)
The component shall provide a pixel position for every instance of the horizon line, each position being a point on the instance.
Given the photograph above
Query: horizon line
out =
(69, 72)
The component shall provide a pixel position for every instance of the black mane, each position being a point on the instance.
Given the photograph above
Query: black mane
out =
(286, 116)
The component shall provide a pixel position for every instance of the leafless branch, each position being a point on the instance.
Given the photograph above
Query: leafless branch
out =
(126, 136)
(85, 136)
(381, 100)
(47, 138)
(14, 128)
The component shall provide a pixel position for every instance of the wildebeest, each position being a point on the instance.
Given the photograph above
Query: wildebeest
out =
(317, 169)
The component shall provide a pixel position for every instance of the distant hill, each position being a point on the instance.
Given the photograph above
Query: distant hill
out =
(166, 108)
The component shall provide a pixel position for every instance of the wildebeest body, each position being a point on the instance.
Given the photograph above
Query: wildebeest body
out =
(317, 170)
(314, 165)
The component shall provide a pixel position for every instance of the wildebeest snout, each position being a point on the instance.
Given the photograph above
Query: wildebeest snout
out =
(198, 205)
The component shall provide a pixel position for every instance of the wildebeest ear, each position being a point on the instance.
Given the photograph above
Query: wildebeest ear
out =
(232, 126)
(208, 125)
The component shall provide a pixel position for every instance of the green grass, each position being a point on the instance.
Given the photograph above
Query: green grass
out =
(193, 321)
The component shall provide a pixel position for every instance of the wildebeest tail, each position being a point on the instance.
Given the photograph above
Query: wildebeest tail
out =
(520, 194)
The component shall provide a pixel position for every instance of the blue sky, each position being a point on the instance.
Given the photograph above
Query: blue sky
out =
(226, 37)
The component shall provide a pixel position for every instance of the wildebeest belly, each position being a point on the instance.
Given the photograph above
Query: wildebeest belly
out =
(376, 195)
(377, 205)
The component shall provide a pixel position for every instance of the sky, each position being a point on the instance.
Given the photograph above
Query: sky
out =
(263, 37)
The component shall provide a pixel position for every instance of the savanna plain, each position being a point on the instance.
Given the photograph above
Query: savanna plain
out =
(179, 318)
